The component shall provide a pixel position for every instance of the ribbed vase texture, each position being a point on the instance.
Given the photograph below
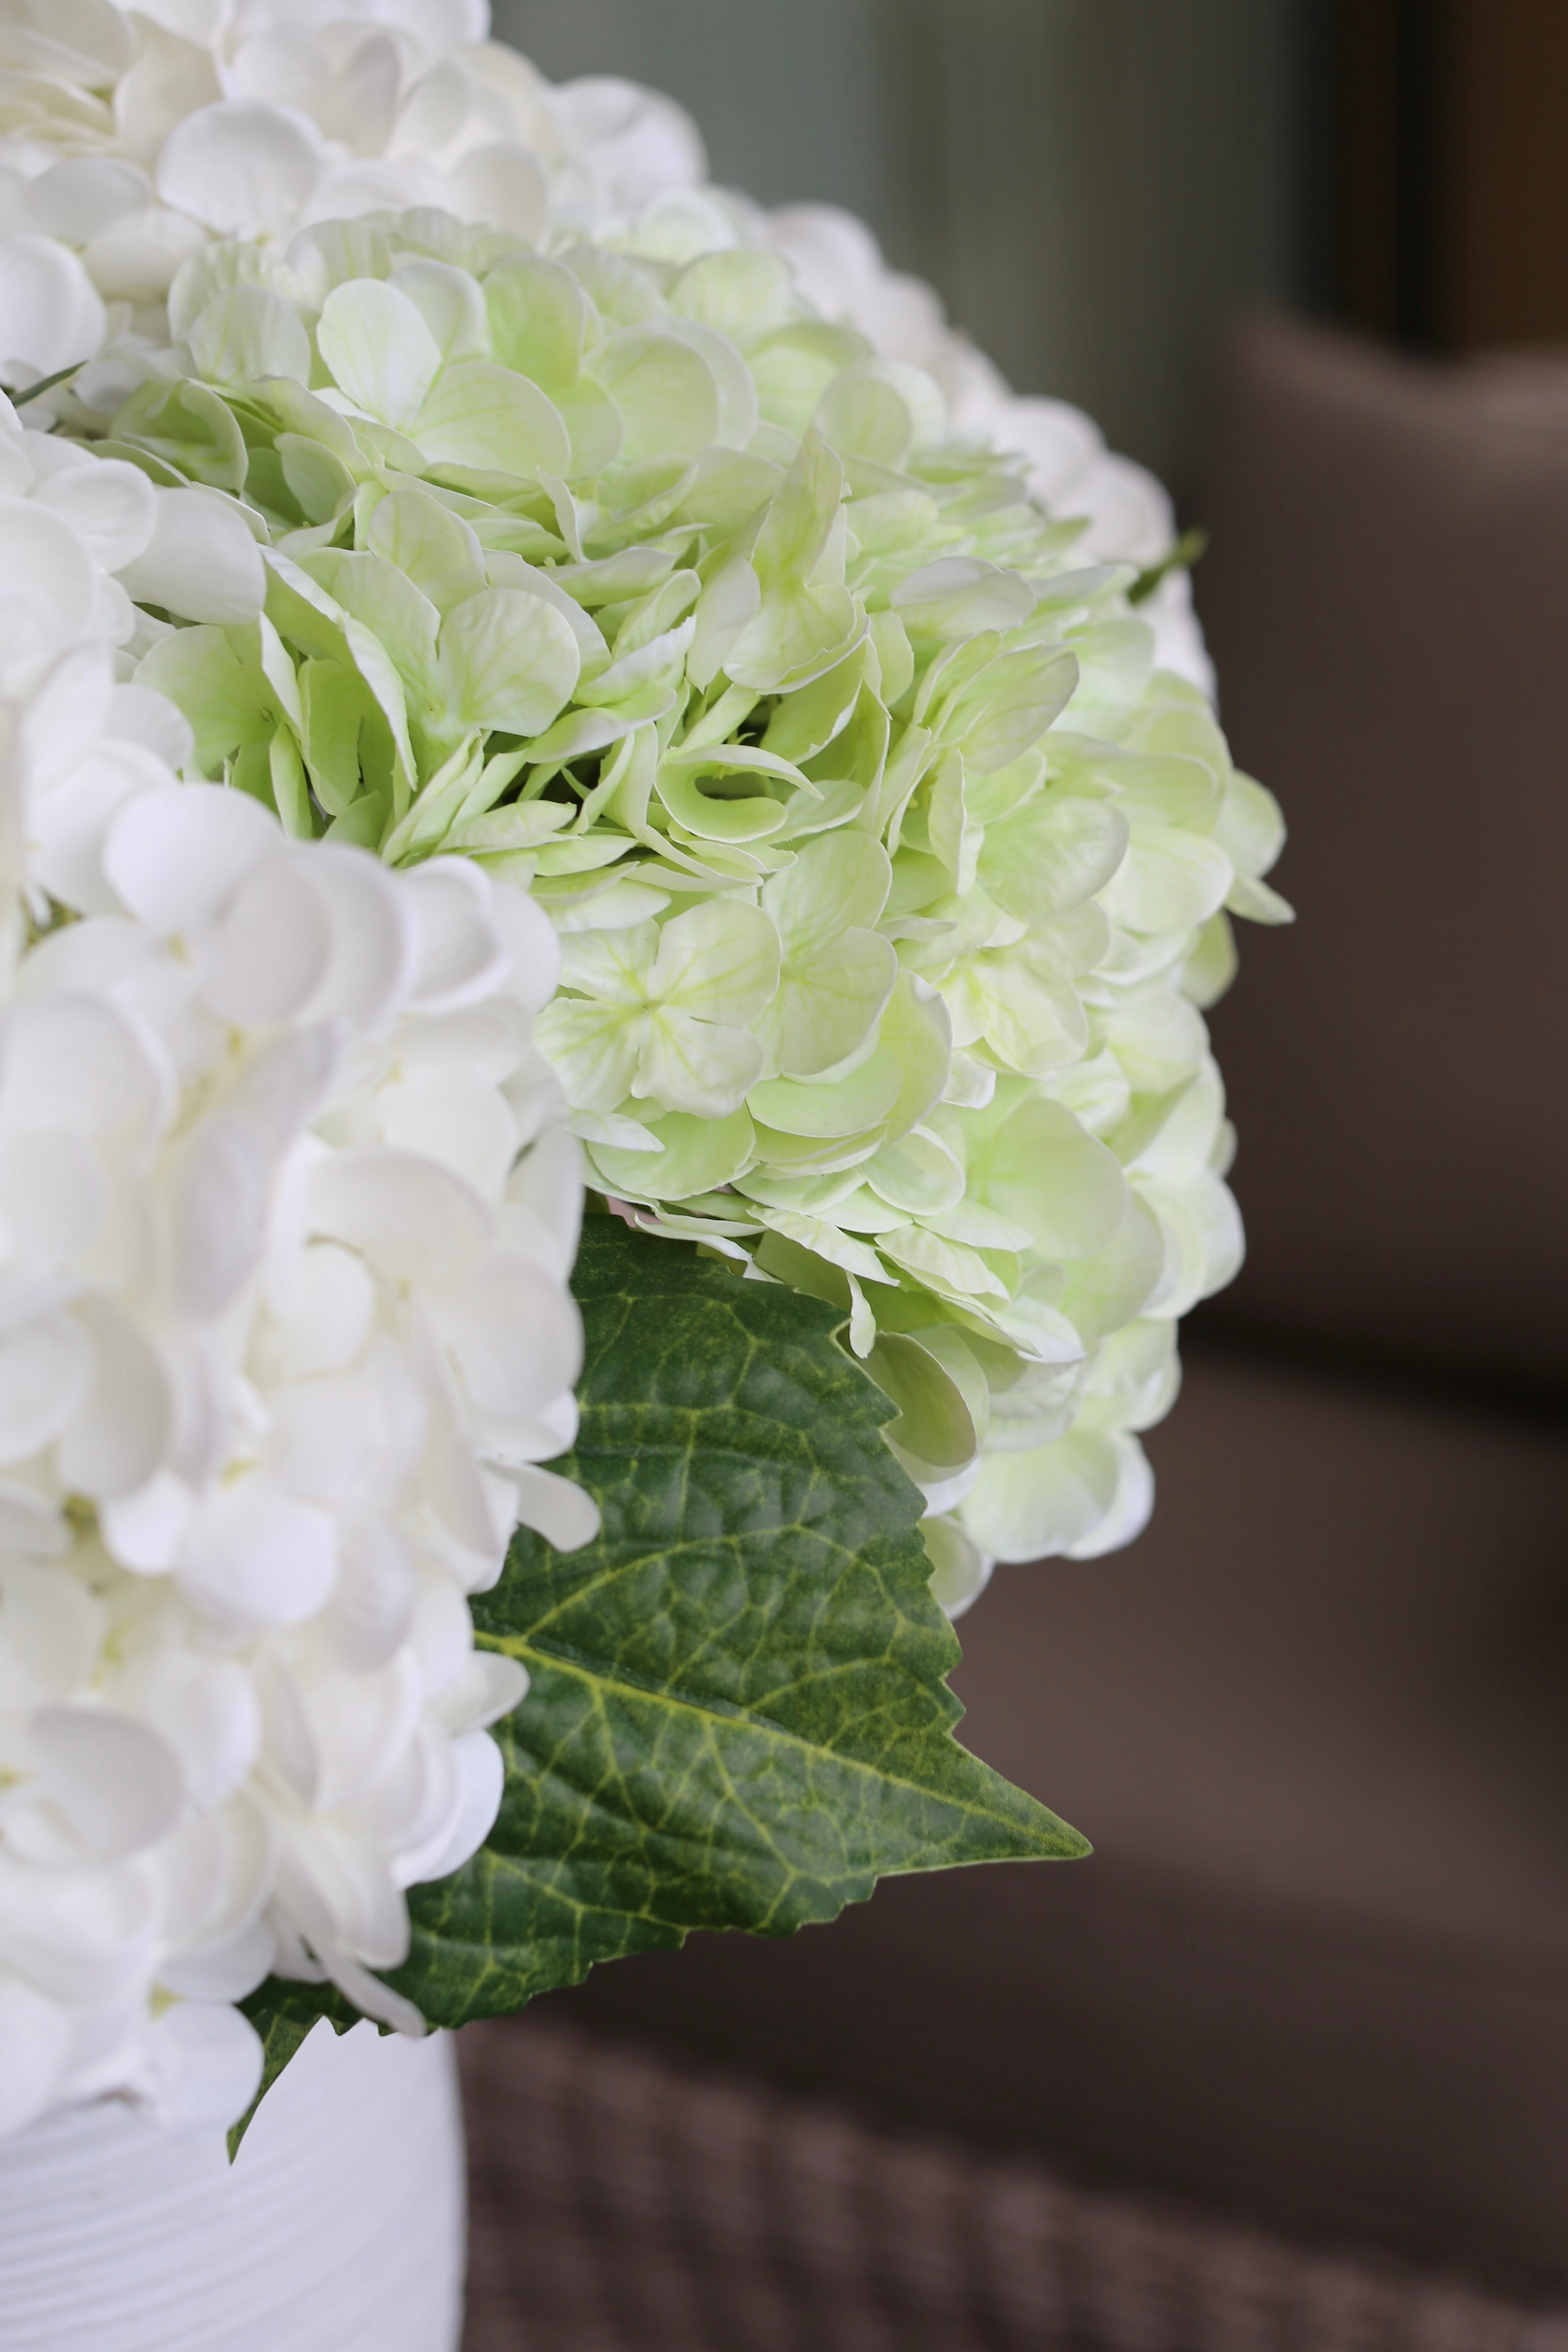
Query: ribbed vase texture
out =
(340, 2228)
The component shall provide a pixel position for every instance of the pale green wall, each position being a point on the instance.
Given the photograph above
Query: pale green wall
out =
(1092, 183)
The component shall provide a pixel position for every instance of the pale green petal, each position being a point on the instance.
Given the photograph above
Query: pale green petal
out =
(861, 414)
(591, 1048)
(450, 303)
(380, 351)
(1168, 881)
(1054, 853)
(498, 423)
(736, 418)
(862, 1104)
(1030, 1020)
(1099, 1294)
(1157, 1037)
(743, 294)
(949, 1266)
(318, 478)
(428, 543)
(615, 966)
(1037, 1167)
(799, 633)
(397, 613)
(829, 1002)
(664, 390)
(720, 961)
(337, 708)
(702, 1067)
(801, 520)
(247, 333)
(959, 595)
(696, 1155)
(224, 697)
(507, 660)
(805, 722)
(933, 1430)
(917, 1173)
(1008, 708)
(1042, 1503)
(1213, 964)
(539, 319)
(960, 1570)
(825, 1240)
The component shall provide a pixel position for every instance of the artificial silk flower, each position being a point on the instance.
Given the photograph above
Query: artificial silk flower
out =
(286, 1216)
(890, 871)
(132, 138)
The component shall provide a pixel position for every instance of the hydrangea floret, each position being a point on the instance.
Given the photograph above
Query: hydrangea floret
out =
(287, 1210)
(891, 874)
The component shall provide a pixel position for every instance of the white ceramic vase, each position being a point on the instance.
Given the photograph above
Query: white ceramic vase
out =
(340, 2228)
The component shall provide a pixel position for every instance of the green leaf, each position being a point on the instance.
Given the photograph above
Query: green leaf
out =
(283, 2014)
(738, 1714)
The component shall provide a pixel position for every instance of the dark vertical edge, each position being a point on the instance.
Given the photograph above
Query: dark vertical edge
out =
(1423, 189)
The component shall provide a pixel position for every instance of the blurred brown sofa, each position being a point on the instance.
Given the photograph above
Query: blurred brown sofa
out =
(1316, 1721)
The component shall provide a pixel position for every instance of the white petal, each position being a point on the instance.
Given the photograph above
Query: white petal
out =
(206, 1709)
(272, 951)
(203, 2067)
(505, 186)
(201, 561)
(177, 856)
(51, 314)
(515, 1335)
(333, 1302)
(80, 198)
(116, 1439)
(562, 1513)
(144, 1530)
(65, 712)
(46, 585)
(481, 1778)
(416, 1221)
(46, 1371)
(50, 1634)
(116, 1782)
(374, 944)
(244, 170)
(461, 954)
(138, 714)
(70, 827)
(110, 505)
(455, 1116)
(532, 944)
(258, 1557)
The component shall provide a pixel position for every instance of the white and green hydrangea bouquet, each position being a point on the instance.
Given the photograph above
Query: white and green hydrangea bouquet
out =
(530, 684)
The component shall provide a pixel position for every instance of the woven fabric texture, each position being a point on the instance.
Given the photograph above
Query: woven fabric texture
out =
(622, 2202)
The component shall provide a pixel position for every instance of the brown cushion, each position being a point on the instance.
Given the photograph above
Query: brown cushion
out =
(1387, 601)
(1317, 1967)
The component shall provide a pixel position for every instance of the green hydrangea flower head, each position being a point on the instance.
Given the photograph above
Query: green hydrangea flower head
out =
(891, 877)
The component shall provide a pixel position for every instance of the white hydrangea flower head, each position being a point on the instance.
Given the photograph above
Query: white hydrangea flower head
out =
(286, 1216)
(890, 872)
